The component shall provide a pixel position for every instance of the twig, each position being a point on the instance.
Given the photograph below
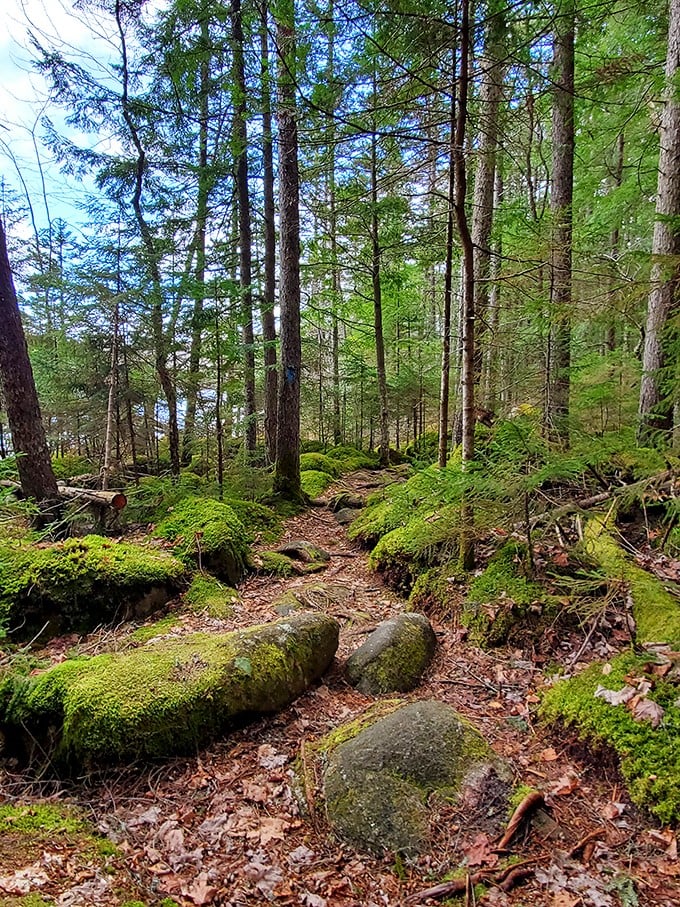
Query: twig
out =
(531, 802)
(591, 836)
(585, 642)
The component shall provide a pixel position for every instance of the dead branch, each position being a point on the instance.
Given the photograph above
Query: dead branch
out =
(531, 802)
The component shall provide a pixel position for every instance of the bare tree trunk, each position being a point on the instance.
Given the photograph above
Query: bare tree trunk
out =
(271, 378)
(20, 395)
(614, 243)
(287, 470)
(244, 229)
(384, 449)
(467, 539)
(448, 287)
(655, 409)
(112, 398)
(204, 182)
(152, 258)
(559, 380)
(491, 352)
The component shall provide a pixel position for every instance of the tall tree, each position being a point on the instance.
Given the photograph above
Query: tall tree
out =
(287, 469)
(655, 408)
(20, 395)
(558, 379)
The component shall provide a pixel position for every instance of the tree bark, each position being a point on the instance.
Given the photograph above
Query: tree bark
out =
(287, 469)
(562, 188)
(655, 410)
(244, 228)
(384, 448)
(271, 378)
(20, 395)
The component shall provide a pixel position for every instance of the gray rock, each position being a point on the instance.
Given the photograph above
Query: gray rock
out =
(394, 657)
(346, 516)
(303, 551)
(376, 784)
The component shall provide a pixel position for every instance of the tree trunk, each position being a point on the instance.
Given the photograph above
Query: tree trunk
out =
(244, 229)
(559, 381)
(20, 395)
(655, 409)
(204, 182)
(271, 378)
(287, 470)
(384, 449)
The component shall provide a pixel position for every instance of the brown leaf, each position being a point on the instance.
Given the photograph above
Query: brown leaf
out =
(200, 892)
(566, 785)
(272, 829)
(479, 853)
(646, 710)
(549, 754)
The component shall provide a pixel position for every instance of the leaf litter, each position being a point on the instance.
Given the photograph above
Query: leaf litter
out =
(225, 828)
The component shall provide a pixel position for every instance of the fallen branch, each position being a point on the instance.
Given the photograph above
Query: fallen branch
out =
(505, 879)
(583, 843)
(531, 802)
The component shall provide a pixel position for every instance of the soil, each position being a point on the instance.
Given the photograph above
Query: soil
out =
(225, 828)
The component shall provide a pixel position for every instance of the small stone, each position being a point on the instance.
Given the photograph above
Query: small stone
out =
(394, 657)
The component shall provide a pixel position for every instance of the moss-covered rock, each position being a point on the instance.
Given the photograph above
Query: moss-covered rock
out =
(271, 563)
(394, 657)
(502, 603)
(318, 462)
(208, 533)
(170, 696)
(81, 583)
(351, 459)
(345, 500)
(649, 756)
(656, 609)
(379, 775)
(304, 551)
(207, 595)
(314, 482)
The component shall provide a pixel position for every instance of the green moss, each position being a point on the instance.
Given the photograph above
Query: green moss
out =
(73, 465)
(649, 757)
(351, 459)
(314, 483)
(656, 610)
(274, 564)
(260, 522)
(48, 819)
(210, 533)
(82, 581)
(318, 462)
(172, 695)
(208, 595)
(432, 591)
(501, 598)
(519, 793)
(158, 628)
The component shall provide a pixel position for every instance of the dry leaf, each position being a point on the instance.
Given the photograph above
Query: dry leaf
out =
(564, 899)
(479, 853)
(200, 891)
(646, 710)
(614, 697)
(566, 785)
(549, 754)
(272, 829)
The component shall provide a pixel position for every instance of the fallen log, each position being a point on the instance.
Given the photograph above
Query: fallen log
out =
(114, 499)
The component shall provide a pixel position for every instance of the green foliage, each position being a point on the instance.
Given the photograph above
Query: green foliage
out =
(352, 459)
(155, 497)
(649, 757)
(158, 628)
(209, 596)
(71, 465)
(209, 533)
(314, 483)
(83, 581)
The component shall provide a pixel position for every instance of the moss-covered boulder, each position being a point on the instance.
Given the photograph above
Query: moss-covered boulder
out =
(314, 482)
(81, 583)
(304, 551)
(394, 657)
(379, 775)
(167, 697)
(208, 533)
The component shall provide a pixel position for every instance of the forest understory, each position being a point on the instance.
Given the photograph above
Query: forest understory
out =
(225, 827)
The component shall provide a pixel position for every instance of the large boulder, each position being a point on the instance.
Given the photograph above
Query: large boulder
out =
(169, 696)
(376, 784)
(394, 657)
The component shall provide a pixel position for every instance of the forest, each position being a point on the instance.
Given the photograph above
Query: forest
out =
(339, 455)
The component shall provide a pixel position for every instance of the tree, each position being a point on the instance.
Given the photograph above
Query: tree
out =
(20, 395)
(655, 408)
(287, 468)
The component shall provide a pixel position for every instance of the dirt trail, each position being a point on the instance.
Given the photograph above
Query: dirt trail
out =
(224, 827)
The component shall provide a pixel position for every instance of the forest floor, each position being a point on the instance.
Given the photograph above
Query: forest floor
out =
(224, 826)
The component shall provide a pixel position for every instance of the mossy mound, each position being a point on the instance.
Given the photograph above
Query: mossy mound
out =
(502, 603)
(208, 533)
(433, 592)
(81, 583)
(649, 756)
(351, 459)
(394, 657)
(380, 773)
(207, 595)
(655, 609)
(314, 483)
(168, 697)
(318, 462)
(271, 563)
(260, 522)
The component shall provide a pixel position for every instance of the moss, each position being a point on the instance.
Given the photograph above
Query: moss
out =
(351, 459)
(274, 564)
(210, 533)
(81, 582)
(172, 695)
(432, 591)
(656, 610)
(50, 820)
(314, 482)
(260, 522)
(502, 599)
(318, 462)
(649, 757)
(158, 628)
(519, 793)
(73, 465)
(207, 595)
(394, 657)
